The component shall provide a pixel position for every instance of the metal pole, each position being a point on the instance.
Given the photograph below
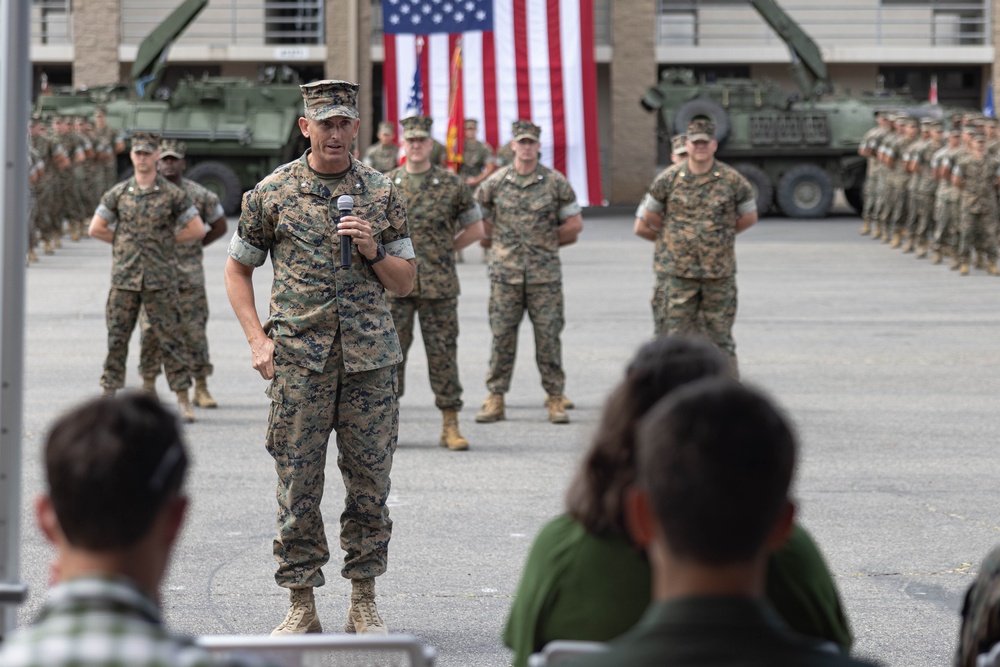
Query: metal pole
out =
(15, 98)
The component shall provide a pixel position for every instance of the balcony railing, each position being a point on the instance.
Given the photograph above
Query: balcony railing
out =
(51, 22)
(727, 24)
(231, 22)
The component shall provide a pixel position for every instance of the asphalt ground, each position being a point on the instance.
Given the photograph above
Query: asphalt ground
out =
(887, 365)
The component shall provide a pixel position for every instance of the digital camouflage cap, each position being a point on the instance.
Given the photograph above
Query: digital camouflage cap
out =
(525, 129)
(329, 98)
(386, 127)
(173, 148)
(145, 142)
(679, 144)
(417, 127)
(470, 124)
(701, 129)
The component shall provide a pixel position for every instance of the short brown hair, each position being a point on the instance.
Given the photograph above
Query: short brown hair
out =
(111, 464)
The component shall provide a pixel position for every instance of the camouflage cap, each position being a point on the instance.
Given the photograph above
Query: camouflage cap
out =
(679, 144)
(701, 129)
(417, 127)
(329, 98)
(931, 124)
(100, 109)
(908, 121)
(145, 142)
(525, 129)
(386, 127)
(173, 148)
(470, 123)
(989, 121)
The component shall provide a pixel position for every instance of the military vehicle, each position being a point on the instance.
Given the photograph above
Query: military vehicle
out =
(237, 130)
(795, 149)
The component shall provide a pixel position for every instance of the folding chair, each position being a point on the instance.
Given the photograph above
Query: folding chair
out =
(564, 650)
(315, 650)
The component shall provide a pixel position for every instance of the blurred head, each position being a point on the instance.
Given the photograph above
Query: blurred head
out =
(715, 462)
(111, 466)
(596, 496)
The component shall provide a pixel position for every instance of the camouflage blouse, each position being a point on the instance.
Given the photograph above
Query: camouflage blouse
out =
(190, 270)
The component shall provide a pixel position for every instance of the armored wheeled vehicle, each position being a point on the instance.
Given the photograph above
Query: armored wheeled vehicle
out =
(796, 149)
(236, 130)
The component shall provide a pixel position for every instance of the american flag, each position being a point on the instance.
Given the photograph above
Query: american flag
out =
(522, 59)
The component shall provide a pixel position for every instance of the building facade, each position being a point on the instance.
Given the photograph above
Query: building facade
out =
(900, 45)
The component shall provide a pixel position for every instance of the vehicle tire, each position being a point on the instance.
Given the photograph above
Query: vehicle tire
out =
(805, 191)
(856, 198)
(220, 179)
(763, 190)
(701, 107)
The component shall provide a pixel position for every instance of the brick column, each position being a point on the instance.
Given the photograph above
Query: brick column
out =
(633, 69)
(348, 54)
(96, 35)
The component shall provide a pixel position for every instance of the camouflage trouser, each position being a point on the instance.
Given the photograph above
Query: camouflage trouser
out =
(193, 304)
(893, 206)
(693, 307)
(306, 407)
(121, 313)
(924, 205)
(46, 209)
(868, 209)
(946, 223)
(544, 303)
(909, 224)
(439, 329)
(977, 231)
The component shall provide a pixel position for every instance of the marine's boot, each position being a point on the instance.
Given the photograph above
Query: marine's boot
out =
(963, 270)
(897, 239)
(451, 437)
(202, 398)
(184, 406)
(877, 232)
(301, 617)
(937, 258)
(363, 617)
(991, 268)
(108, 392)
(149, 384)
(47, 247)
(74, 230)
(867, 227)
(492, 410)
(909, 245)
(566, 403)
(922, 250)
(557, 413)
(32, 255)
(955, 263)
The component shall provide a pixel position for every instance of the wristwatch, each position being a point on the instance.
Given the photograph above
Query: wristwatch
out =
(379, 255)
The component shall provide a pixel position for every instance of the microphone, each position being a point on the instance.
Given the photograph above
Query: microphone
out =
(345, 204)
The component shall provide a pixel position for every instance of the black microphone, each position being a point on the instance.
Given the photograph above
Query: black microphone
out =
(345, 204)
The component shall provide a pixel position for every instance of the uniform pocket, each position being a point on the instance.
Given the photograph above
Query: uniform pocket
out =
(307, 230)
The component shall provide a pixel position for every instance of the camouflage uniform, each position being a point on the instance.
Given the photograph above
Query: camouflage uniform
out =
(143, 273)
(924, 192)
(526, 212)
(874, 173)
(980, 629)
(108, 138)
(946, 203)
(191, 297)
(438, 205)
(36, 170)
(505, 156)
(382, 158)
(439, 154)
(475, 157)
(335, 357)
(894, 194)
(977, 216)
(695, 259)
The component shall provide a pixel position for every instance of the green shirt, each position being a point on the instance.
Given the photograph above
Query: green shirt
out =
(576, 585)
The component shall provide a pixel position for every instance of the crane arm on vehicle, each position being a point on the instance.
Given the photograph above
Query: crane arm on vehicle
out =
(807, 59)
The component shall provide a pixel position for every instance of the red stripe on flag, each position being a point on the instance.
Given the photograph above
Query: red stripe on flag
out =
(521, 59)
(592, 140)
(490, 90)
(425, 74)
(557, 100)
(391, 101)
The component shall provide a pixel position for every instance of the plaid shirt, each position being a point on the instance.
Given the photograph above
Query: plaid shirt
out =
(100, 622)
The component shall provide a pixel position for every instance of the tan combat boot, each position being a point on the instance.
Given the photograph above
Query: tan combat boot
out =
(937, 258)
(202, 398)
(492, 410)
(566, 403)
(922, 250)
(867, 227)
(149, 384)
(74, 230)
(992, 269)
(909, 246)
(963, 270)
(47, 247)
(32, 255)
(876, 232)
(955, 263)
(451, 437)
(897, 239)
(557, 413)
(363, 617)
(184, 406)
(108, 392)
(301, 618)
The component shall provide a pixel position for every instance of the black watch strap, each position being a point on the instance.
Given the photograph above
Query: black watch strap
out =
(379, 255)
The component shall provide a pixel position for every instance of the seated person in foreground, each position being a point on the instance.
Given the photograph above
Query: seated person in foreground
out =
(584, 579)
(980, 631)
(715, 463)
(114, 508)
